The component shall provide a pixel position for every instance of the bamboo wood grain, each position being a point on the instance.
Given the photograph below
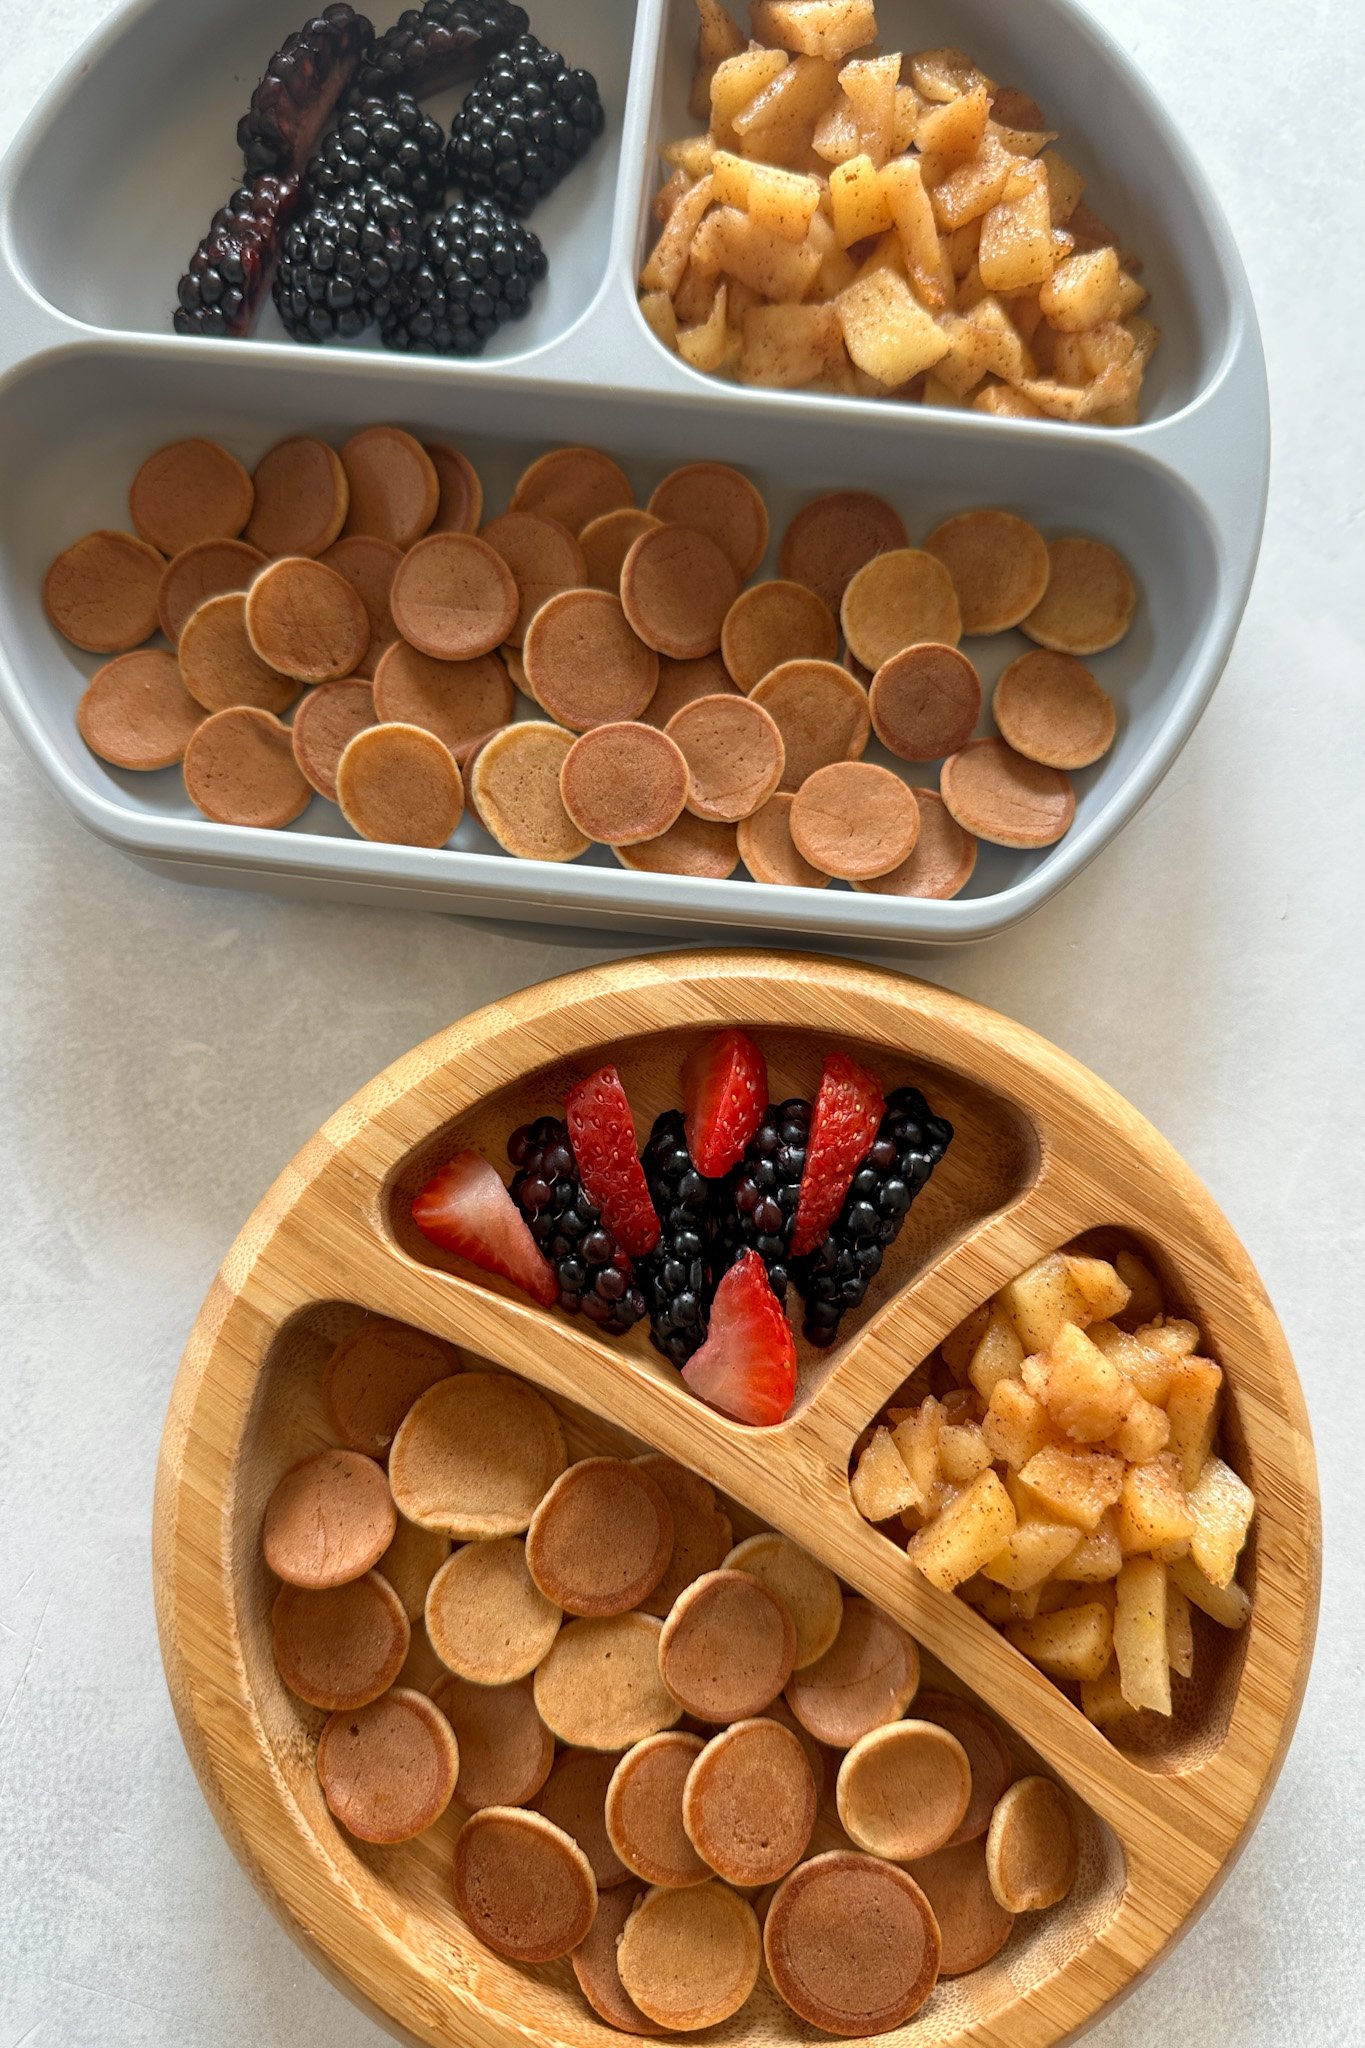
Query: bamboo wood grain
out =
(1044, 1152)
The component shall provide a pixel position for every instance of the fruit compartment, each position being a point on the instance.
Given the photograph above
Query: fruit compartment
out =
(412, 1883)
(1139, 175)
(134, 152)
(78, 422)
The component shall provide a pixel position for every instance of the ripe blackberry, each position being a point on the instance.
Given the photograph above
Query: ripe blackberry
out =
(526, 123)
(478, 270)
(909, 1144)
(388, 142)
(230, 273)
(678, 1277)
(762, 1192)
(595, 1276)
(303, 82)
(342, 260)
(445, 41)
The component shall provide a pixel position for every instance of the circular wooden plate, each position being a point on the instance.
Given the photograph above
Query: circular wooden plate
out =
(1044, 1153)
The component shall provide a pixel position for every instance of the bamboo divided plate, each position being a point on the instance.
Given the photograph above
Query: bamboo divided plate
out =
(1044, 1153)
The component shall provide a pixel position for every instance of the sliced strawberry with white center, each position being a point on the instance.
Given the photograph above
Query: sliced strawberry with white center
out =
(747, 1366)
(603, 1133)
(465, 1209)
(843, 1129)
(725, 1092)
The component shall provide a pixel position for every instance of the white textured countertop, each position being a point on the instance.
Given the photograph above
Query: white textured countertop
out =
(165, 1050)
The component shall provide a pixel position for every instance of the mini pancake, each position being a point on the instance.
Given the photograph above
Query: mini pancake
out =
(369, 566)
(410, 1564)
(524, 1888)
(324, 725)
(866, 1679)
(734, 755)
(574, 1797)
(749, 1803)
(584, 665)
(306, 621)
(220, 667)
(925, 702)
(374, 1376)
(644, 1810)
(401, 785)
(137, 713)
(101, 592)
(821, 713)
(683, 682)
(727, 1647)
(207, 569)
(624, 784)
(998, 795)
(1031, 1850)
(851, 1944)
(973, 1926)
(341, 1648)
(702, 1534)
(689, 1959)
(329, 1520)
(834, 537)
(988, 1754)
(542, 557)
(506, 1750)
(574, 486)
(769, 852)
(302, 498)
(460, 504)
(240, 770)
(475, 1455)
(388, 1770)
(487, 1619)
(692, 846)
(677, 586)
(1090, 599)
(461, 702)
(189, 491)
(896, 601)
(716, 500)
(514, 787)
(594, 1965)
(999, 566)
(807, 1588)
(600, 1687)
(454, 597)
(601, 1539)
(774, 623)
(394, 487)
(943, 861)
(608, 540)
(1049, 708)
(904, 1789)
(855, 820)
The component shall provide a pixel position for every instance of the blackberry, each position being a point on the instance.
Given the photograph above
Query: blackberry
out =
(678, 1277)
(388, 142)
(478, 270)
(909, 1144)
(342, 260)
(595, 1276)
(526, 123)
(303, 82)
(231, 271)
(445, 41)
(762, 1192)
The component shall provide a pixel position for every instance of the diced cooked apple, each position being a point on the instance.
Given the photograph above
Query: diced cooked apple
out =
(1041, 1300)
(991, 1601)
(705, 345)
(963, 1452)
(1229, 1606)
(695, 296)
(907, 119)
(1131, 296)
(1154, 1509)
(1096, 1281)
(815, 28)
(884, 254)
(917, 1443)
(660, 317)
(869, 85)
(783, 201)
(1102, 1700)
(1149, 1367)
(1016, 235)
(970, 191)
(887, 332)
(1082, 291)
(670, 255)
(737, 82)
(952, 134)
(1086, 1396)
(837, 139)
(1179, 1629)
(835, 267)
(718, 37)
(861, 206)
(881, 1486)
(1144, 1432)
(691, 155)
(1075, 1643)
(1097, 1558)
(1140, 1635)
(903, 188)
(1033, 1553)
(1073, 1485)
(1192, 1398)
(947, 74)
(1222, 1506)
(999, 1355)
(778, 270)
(668, 195)
(1005, 403)
(790, 346)
(779, 123)
(1016, 1425)
(1026, 142)
(972, 1529)
(1144, 1291)
(960, 248)
(1064, 186)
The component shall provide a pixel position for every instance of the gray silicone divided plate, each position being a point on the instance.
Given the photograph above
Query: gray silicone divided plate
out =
(112, 182)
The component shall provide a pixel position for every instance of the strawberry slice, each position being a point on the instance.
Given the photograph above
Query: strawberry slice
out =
(747, 1366)
(603, 1134)
(843, 1129)
(725, 1092)
(466, 1209)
